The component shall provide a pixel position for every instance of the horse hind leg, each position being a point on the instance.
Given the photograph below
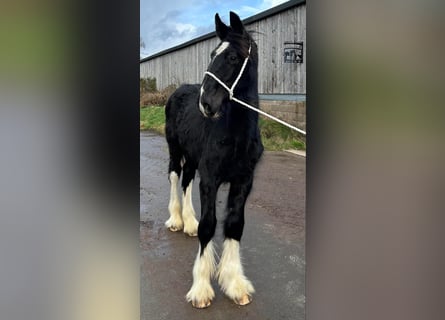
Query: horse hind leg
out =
(175, 222)
(188, 212)
(230, 272)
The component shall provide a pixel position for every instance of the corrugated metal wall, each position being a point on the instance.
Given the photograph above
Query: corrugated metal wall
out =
(187, 65)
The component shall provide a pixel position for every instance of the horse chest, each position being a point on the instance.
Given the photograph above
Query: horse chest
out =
(226, 157)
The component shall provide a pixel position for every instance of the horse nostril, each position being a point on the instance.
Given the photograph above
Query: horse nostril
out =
(208, 110)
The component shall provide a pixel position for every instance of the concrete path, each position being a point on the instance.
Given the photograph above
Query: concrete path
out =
(272, 246)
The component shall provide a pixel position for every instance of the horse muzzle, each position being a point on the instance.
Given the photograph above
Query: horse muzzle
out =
(208, 108)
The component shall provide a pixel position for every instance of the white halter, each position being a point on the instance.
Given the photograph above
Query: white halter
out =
(230, 90)
(231, 97)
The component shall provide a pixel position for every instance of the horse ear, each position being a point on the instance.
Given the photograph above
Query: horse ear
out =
(221, 29)
(235, 23)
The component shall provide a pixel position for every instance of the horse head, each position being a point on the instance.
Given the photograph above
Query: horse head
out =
(230, 68)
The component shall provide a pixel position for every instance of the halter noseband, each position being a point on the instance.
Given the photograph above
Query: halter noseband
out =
(230, 90)
(231, 97)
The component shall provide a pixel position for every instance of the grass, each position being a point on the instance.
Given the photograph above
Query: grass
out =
(274, 135)
(152, 118)
(277, 137)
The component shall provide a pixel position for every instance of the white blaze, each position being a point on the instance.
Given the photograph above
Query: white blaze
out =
(221, 48)
(201, 107)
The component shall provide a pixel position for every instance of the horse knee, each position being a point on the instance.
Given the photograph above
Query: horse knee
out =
(188, 176)
(234, 225)
(206, 230)
(175, 166)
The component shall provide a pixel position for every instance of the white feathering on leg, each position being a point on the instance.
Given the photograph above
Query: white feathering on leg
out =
(231, 276)
(174, 223)
(201, 292)
(188, 212)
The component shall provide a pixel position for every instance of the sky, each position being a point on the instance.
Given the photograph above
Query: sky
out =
(167, 23)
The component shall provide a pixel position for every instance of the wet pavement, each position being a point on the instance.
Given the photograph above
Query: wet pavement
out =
(272, 247)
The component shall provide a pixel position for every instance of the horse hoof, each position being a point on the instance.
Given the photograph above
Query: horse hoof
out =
(191, 228)
(174, 225)
(244, 300)
(191, 233)
(174, 229)
(201, 304)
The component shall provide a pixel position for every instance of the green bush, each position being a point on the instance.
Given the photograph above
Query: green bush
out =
(147, 85)
(156, 98)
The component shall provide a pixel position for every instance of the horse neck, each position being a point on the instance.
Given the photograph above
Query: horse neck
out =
(248, 94)
(241, 119)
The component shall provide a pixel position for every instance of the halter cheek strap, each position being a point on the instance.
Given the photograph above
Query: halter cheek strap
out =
(230, 90)
(231, 97)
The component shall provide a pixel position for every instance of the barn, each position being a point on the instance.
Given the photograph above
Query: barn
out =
(280, 33)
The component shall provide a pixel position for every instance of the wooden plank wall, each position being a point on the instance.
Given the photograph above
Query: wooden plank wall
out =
(187, 65)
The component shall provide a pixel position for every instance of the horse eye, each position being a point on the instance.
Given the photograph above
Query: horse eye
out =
(233, 58)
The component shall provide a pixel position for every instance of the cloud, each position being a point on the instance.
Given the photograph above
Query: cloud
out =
(168, 29)
(166, 23)
(185, 28)
(271, 3)
(248, 11)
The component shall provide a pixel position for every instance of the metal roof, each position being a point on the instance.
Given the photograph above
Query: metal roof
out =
(254, 18)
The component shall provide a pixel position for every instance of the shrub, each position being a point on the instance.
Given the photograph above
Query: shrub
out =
(157, 98)
(147, 85)
(169, 90)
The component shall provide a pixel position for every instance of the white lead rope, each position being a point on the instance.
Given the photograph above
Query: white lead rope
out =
(268, 115)
(231, 97)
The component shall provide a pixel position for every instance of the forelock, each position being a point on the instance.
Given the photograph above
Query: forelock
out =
(240, 43)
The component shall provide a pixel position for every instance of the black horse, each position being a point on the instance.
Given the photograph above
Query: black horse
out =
(208, 131)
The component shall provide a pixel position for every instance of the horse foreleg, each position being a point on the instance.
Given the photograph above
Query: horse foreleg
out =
(230, 274)
(201, 293)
